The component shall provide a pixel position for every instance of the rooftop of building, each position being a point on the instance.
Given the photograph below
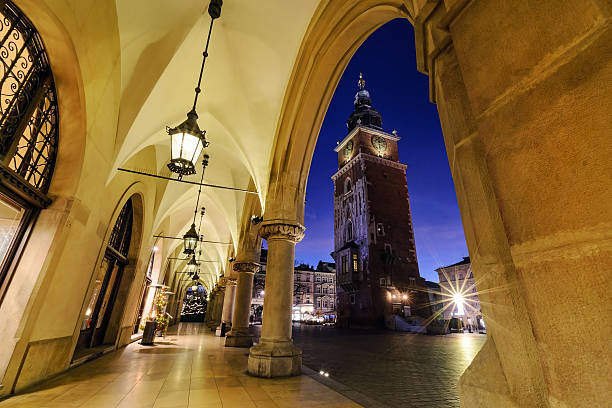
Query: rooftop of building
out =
(432, 285)
(466, 261)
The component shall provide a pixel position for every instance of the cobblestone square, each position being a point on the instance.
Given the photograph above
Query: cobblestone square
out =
(392, 368)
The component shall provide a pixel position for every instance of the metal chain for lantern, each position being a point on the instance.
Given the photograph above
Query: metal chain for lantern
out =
(187, 140)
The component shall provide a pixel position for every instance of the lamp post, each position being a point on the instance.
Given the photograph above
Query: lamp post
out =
(458, 298)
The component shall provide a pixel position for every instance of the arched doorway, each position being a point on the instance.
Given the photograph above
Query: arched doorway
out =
(194, 304)
(95, 323)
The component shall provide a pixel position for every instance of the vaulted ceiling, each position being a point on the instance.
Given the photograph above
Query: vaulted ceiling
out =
(251, 56)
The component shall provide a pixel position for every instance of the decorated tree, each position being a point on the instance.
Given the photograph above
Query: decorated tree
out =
(161, 301)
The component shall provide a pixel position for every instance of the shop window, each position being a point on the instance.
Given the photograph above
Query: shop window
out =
(108, 280)
(355, 263)
(28, 134)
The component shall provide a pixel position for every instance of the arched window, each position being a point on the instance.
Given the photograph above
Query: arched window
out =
(28, 132)
(347, 185)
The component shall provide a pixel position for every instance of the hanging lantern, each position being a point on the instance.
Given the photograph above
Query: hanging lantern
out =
(192, 265)
(190, 240)
(186, 144)
(187, 140)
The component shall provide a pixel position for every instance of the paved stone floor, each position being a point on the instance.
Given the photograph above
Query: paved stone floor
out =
(395, 369)
(191, 369)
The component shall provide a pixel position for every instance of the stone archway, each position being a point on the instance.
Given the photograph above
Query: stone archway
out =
(107, 301)
(521, 177)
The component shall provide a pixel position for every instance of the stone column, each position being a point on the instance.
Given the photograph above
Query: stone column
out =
(227, 306)
(209, 307)
(240, 336)
(275, 355)
(215, 318)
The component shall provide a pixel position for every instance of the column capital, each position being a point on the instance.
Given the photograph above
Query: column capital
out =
(246, 267)
(226, 281)
(288, 231)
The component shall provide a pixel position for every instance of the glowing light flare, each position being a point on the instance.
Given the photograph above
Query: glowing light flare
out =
(459, 300)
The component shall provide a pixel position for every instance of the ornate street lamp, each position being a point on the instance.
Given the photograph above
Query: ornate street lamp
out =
(186, 139)
(192, 265)
(186, 144)
(190, 240)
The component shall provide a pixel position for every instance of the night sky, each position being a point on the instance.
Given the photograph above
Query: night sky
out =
(400, 93)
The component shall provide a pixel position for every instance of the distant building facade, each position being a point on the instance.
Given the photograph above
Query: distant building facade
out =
(374, 249)
(314, 294)
(459, 279)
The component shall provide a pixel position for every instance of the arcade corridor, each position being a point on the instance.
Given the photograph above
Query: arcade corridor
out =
(190, 368)
(120, 189)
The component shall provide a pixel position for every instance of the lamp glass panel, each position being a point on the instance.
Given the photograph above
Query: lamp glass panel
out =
(190, 243)
(191, 145)
(177, 141)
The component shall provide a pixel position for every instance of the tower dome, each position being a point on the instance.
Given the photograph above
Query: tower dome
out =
(363, 114)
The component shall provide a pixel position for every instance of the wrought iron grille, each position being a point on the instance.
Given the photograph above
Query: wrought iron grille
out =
(122, 230)
(28, 103)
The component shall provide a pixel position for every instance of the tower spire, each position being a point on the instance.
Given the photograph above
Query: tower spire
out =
(363, 114)
(361, 82)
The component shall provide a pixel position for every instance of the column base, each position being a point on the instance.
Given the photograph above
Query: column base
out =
(220, 332)
(239, 338)
(275, 359)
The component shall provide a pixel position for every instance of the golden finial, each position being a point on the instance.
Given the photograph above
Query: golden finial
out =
(361, 82)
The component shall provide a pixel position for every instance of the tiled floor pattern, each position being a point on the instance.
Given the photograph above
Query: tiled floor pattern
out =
(187, 370)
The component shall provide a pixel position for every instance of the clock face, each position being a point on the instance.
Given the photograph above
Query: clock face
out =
(348, 149)
(379, 143)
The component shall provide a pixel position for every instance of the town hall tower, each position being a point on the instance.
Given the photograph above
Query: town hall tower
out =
(377, 271)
